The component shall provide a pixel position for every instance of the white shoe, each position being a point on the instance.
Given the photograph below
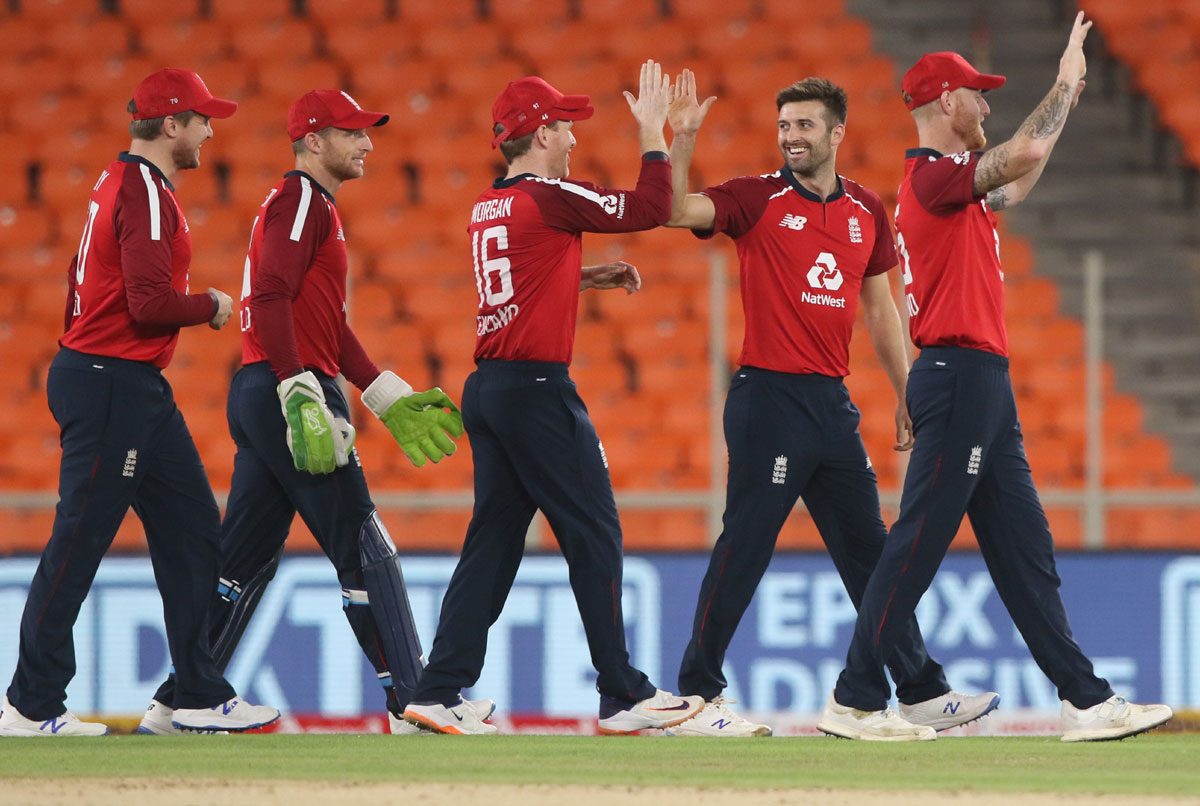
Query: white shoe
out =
(717, 719)
(871, 726)
(460, 720)
(12, 723)
(232, 715)
(1115, 718)
(398, 726)
(157, 721)
(660, 711)
(950, 710)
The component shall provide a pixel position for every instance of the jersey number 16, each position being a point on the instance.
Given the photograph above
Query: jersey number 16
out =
(493, 275)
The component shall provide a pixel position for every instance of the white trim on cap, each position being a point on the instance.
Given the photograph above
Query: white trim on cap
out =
(302, 210)
(155, 210)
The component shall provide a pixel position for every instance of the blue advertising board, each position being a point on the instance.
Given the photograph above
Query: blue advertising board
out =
(1136, 615)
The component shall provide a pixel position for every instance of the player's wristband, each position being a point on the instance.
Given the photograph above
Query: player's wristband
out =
(384, 391)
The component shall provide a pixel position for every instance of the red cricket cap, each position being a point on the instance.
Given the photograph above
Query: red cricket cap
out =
(935, 73)
(171, 91)
(530, 102)
(319, 109)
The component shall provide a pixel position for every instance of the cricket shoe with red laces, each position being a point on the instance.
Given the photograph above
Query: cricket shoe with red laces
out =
(660, 711)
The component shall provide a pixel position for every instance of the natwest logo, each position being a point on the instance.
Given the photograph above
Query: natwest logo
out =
(824, 273)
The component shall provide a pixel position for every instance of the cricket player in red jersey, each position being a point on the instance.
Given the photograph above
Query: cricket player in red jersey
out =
(124, 441)
(290, 420)
(810, 244)
(533, 443)
(969, 456)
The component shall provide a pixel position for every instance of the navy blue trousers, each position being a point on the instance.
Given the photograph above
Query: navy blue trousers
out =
(124, 443)
(969, 458)
(793, 436)
(267, 491)
(534, 448)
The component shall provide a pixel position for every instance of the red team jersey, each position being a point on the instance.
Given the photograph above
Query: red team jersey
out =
(293, 304)
(526, 244)
(950, 254)
(127, 287)
(802, 266)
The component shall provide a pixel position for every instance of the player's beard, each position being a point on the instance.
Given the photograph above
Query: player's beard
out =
(185, 156)
(810, 163)
(344, 169)
(969, 129)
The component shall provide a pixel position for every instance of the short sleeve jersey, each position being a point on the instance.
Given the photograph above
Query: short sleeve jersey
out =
(298, 252)
(128, 288)
(526, 245)
(803, 260)
(950, 254)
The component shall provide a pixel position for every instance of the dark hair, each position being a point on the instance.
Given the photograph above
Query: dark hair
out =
(812, 88)
(512, 149)
(151, 128)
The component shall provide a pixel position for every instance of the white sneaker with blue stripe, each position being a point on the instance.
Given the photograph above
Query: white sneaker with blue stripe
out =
(716, 718)
(13, 723)
(232, 715)
(950, 710)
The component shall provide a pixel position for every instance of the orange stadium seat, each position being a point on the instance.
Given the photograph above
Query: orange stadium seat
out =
(436, 68)
(252, 14)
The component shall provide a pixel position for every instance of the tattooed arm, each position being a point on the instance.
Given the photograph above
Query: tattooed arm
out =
(1009, 171)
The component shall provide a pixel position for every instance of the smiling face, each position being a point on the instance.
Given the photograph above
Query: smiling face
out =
(344, 153)
(806, 138)
(185, 154)
(559, 142)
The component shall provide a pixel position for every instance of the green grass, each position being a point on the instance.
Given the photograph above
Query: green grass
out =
(1156, 764)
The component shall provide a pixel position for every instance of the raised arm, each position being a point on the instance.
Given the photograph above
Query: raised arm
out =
(649, 108)
(695, 210)
(1008, 172)
(887, 336)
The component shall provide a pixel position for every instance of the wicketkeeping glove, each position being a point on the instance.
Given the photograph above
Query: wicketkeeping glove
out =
(418, 421)
(310, 430)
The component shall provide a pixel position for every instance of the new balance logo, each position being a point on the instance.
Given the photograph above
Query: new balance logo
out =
(795, 222)
(974, 460)
(779, 475)
(130, 463)
(952, 708)
(54, 725)
(227, 707)
(721, 724)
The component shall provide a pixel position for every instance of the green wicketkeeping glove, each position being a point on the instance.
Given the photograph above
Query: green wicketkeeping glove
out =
(310, 435)
(418, 422)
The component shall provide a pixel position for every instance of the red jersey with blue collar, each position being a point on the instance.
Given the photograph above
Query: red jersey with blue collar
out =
(527, 249)
(803, 260)
(128, 283)
(950, 254)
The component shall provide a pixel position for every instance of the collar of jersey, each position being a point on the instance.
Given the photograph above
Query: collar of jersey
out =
(791, 179)
(923, 152)
(125, 156)
(317, 184)
(502, 183)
